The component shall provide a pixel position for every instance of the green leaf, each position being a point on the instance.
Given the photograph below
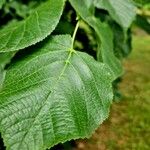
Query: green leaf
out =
(106, 47)
(122, 11)
(122, 48)
(33, 29)
(54, 95)
(105, 37)
(143, 23)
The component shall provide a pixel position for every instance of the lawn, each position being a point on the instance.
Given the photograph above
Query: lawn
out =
(128, 127)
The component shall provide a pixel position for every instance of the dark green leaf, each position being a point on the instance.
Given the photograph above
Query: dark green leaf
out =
(33, 29)
(143, 23)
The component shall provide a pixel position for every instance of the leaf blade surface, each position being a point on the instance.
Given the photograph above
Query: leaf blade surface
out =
(33, 29)
(54, 95)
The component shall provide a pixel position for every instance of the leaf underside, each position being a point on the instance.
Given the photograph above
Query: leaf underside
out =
(53, 95)
(33, 29)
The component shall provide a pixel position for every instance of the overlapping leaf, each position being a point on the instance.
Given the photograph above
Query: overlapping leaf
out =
(105, 37)
(54, 95)
(122, 11)
(33, 29)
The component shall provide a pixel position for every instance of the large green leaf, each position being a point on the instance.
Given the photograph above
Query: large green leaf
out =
(122, 11)
(54, 95)
(105, 37)
(33, 29)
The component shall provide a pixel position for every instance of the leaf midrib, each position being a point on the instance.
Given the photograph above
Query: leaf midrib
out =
(59, 78)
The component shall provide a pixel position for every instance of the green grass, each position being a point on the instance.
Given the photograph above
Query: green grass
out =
(136, 89)
(128, 127)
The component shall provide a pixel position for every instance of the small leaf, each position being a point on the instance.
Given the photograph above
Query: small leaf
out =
(33, 29)
(122, 11)
(54, 95)
(105, 37)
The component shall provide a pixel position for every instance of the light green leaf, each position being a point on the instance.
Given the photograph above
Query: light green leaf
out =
(54, 95)
(105, 37)
(33, 29)
(122, 11)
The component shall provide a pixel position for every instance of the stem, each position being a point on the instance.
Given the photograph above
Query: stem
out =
(74, 34)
